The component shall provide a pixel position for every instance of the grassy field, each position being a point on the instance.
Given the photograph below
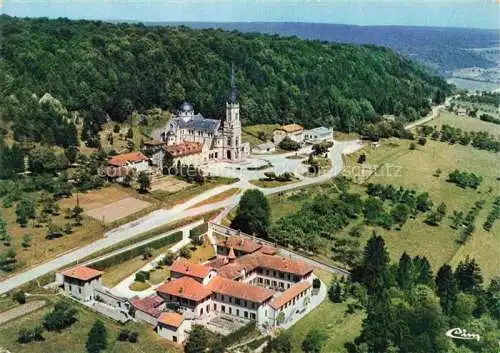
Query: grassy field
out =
(465, 123)
(219, 197)
(72, 339)
(331, 319)
(415, 169)
(253, 133)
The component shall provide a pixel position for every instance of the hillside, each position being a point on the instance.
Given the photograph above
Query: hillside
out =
(443, 49)
(105, 70)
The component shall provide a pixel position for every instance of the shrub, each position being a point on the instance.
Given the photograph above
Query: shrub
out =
(123, 335)
(413, 146)
(142, 276)
(422, 141)
(185, 252)
(20, 297)
(132, 338)
(289, 145)
(316, 283)
(169, 258)
(27, 335)
(62, 316)
(237, 335)
(362, 158)
(197, 231)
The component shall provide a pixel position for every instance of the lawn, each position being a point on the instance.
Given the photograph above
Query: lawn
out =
(219, 197)
(202, 253)
(330, 318)
(465, 123)
(72, 339)
(269, 183)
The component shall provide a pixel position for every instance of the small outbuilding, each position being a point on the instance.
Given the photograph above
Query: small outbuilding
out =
(295, 132)
(173, 326)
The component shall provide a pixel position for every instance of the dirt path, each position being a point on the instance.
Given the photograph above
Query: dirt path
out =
(21, 310)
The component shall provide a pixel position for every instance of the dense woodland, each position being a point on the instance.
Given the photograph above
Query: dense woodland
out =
(103, 70)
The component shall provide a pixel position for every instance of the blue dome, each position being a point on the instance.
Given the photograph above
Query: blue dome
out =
(186, 107)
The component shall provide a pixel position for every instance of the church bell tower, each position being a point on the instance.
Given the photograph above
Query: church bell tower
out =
(232, 124)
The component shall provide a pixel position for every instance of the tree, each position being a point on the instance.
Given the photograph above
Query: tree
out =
(468, 276)
(405, 274)
(335, 292)
(373, 271)
(197, 341)
(446, 288)
(280, 344)
(254, 213)
(400, 213)
(62, 316)
(8, 261)
(19, 297)
(24, 211)
(412, 146)
(144, 182)
(26, 240)
(422, 141)
(169, 258)
(97, 338)
(313, 341)
(71, 153)
(288, 144)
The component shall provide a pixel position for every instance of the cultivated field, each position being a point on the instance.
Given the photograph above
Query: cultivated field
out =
(118, 209)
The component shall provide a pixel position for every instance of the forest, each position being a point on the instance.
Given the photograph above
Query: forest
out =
(100, 71)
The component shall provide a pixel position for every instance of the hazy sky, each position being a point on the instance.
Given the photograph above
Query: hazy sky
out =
(447, 13)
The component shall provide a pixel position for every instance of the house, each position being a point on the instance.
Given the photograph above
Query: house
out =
(188, 153)
(147, 309)
(293, 131)
(200, 273)
(173, 326)
(318, 134)
(461, 111)
(80, 282)
(155, 149)
(123, 164)
(294, 298)
(266, 147)
(242, 246)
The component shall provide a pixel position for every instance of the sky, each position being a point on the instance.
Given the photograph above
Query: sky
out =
(440, 13)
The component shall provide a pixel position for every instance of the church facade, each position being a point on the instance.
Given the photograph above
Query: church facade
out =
(212, 139)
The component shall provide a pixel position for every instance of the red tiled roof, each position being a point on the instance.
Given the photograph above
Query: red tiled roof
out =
(149, 305)
(184, 149)
(239, 289)
(122, 159)
(240, 243)
(185, 287)
(82, 273)
(231, 255)
(291, 128)
(268, 250)
(218, 262)
(289, 294)
(189, 269)
(171, 319)
(262, 260)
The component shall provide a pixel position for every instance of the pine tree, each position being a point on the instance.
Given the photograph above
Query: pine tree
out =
(468, 276)
(405, 273)
(446, 288)
(97, 339)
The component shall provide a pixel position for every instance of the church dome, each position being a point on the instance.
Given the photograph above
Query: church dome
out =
(186, 107)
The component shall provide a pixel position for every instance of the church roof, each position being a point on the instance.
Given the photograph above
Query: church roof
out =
(186, 107)
(198, 122)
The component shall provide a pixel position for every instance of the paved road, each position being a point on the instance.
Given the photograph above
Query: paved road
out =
(432, 115)
(161, 217)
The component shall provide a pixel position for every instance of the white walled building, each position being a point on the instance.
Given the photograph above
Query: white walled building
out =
(123, 164)
(318, 134)
(173, 326)
(293, 131)
(80, 282)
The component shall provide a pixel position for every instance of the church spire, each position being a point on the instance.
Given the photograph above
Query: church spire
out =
(232, 99)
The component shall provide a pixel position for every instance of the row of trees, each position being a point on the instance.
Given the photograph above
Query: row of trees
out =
(134, 67)
(481, 140)
(465, 179)
(493, 215)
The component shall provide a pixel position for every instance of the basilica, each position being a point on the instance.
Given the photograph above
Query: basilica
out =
(192, 139)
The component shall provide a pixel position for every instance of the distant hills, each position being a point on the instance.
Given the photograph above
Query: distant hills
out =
(443, 49)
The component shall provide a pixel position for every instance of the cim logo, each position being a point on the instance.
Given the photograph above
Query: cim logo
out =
(462, 334)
